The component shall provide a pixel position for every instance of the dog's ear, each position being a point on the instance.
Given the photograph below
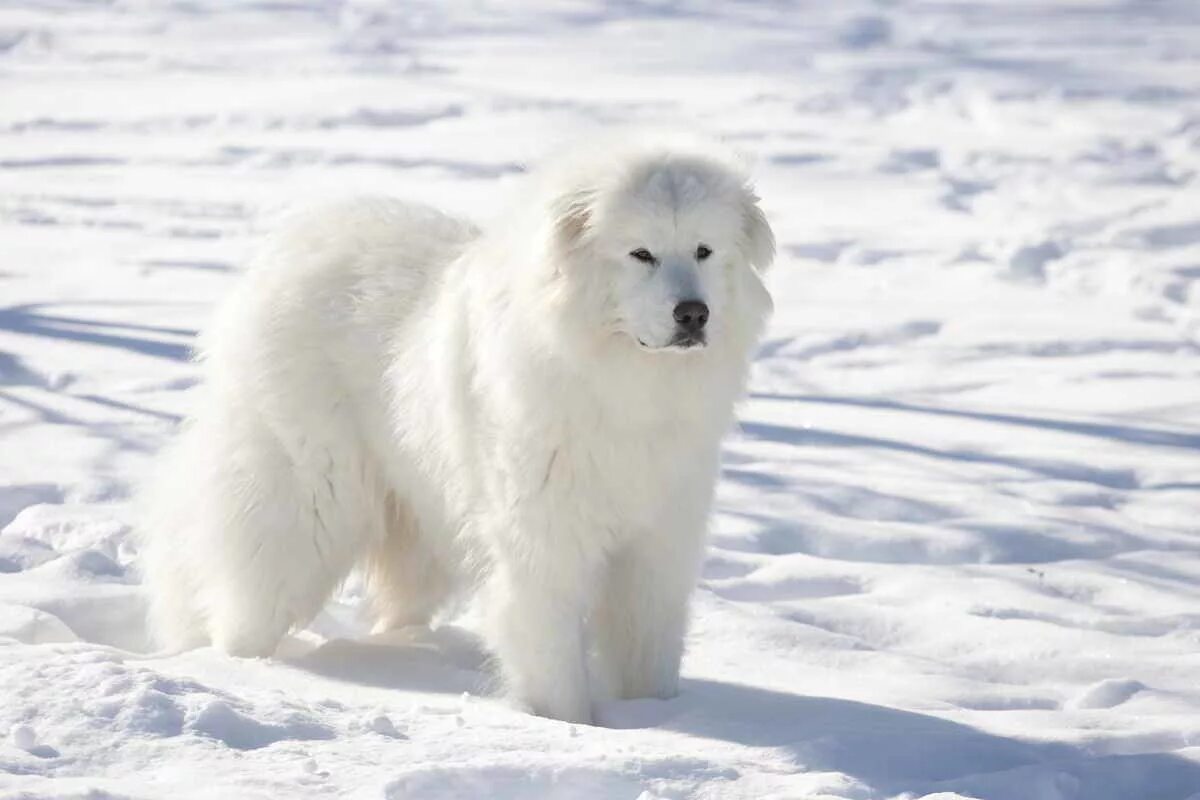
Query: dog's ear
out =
(572, 214)
(760, 239)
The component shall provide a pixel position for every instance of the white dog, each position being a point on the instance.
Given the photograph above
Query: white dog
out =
(534, 412)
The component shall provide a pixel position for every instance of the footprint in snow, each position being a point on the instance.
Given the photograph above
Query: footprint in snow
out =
(221, 721)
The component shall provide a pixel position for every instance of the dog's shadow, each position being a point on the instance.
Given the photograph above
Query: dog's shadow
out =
(897, 752)
(890, 750)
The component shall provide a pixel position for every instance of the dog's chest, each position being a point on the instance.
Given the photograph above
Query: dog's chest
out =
(622, 482)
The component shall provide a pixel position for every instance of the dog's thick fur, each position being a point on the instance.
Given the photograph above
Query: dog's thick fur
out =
(511, 411)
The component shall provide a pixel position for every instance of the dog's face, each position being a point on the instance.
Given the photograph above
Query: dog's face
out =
(667, 253)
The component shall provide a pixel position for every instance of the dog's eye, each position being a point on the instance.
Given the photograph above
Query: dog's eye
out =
(644, 255)
(702, 252)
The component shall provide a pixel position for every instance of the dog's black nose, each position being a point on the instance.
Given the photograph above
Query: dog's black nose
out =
(691, 315)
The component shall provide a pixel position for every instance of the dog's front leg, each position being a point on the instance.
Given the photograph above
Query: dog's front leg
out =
(641, 616)
(538, 599)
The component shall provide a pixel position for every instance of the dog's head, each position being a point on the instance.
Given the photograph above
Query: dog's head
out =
(662, 247)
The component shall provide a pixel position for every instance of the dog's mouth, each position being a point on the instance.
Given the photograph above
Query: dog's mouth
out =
(687, 341)
(682, 342)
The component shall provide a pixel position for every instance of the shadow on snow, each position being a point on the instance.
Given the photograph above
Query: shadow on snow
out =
(890, 750)
(29, 321)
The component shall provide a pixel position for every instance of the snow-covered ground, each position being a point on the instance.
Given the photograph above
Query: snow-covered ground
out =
(957, 552)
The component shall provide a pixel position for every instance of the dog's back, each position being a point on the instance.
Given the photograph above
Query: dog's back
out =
(333, 265)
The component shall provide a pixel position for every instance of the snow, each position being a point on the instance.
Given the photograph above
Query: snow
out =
(956, 552)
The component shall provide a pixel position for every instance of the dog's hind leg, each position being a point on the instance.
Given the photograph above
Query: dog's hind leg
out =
(176, 622)
(284, 527)
(170, 521)
(406, 581)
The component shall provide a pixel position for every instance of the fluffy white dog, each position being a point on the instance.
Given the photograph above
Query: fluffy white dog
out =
(533, 412)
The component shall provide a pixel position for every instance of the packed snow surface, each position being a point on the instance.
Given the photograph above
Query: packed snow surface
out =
(956, 553)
